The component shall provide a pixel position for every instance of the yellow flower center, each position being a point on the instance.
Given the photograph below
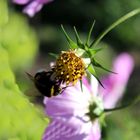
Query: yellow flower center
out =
(69, 67)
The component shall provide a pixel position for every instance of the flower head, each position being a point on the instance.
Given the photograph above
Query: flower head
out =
(72, 65)
(33, 6)
(76, 115)
(69, 67)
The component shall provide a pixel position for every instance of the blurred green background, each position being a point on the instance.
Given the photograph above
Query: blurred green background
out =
(25, 44)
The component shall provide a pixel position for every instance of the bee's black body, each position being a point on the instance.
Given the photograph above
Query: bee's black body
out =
(46, 85)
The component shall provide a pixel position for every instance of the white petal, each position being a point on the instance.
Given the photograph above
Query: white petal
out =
(94, 85)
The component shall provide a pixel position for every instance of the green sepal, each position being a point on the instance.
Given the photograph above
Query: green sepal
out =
(79, 42)
(89, 34)
(92, 52)
(54, 55)
(81, 85)
(72, 44)
(96, 64)
(92, 71)
(102, 120)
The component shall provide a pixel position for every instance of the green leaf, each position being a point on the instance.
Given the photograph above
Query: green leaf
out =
(72, 44)
(19, 119)
(3, 12)
(20, 41)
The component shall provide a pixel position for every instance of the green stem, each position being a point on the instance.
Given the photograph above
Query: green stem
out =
(116, 23)
(118, 108)
(123, 106)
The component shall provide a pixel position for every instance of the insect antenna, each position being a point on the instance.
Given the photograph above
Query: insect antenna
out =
(30, 76)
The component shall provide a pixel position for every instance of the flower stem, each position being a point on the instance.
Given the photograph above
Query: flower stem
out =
(123, 106)
(116, 23)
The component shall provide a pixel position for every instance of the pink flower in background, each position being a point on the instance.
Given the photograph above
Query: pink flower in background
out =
(115, 83)
(75, 114)
(32, 6)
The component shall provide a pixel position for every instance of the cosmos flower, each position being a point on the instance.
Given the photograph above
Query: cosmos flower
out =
(68, 113)
(69, 67)
(115, 83)
(76, 113)
(32, 6)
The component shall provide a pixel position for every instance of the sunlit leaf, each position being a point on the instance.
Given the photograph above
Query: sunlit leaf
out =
(3, 12)
(19, 118)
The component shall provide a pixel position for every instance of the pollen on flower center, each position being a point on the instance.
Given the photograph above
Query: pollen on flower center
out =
(69, 67)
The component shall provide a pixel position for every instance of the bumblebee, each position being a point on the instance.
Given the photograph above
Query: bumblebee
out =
(46, 84)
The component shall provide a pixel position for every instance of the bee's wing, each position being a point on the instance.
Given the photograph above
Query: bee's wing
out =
(34, 96)
(32, 91)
